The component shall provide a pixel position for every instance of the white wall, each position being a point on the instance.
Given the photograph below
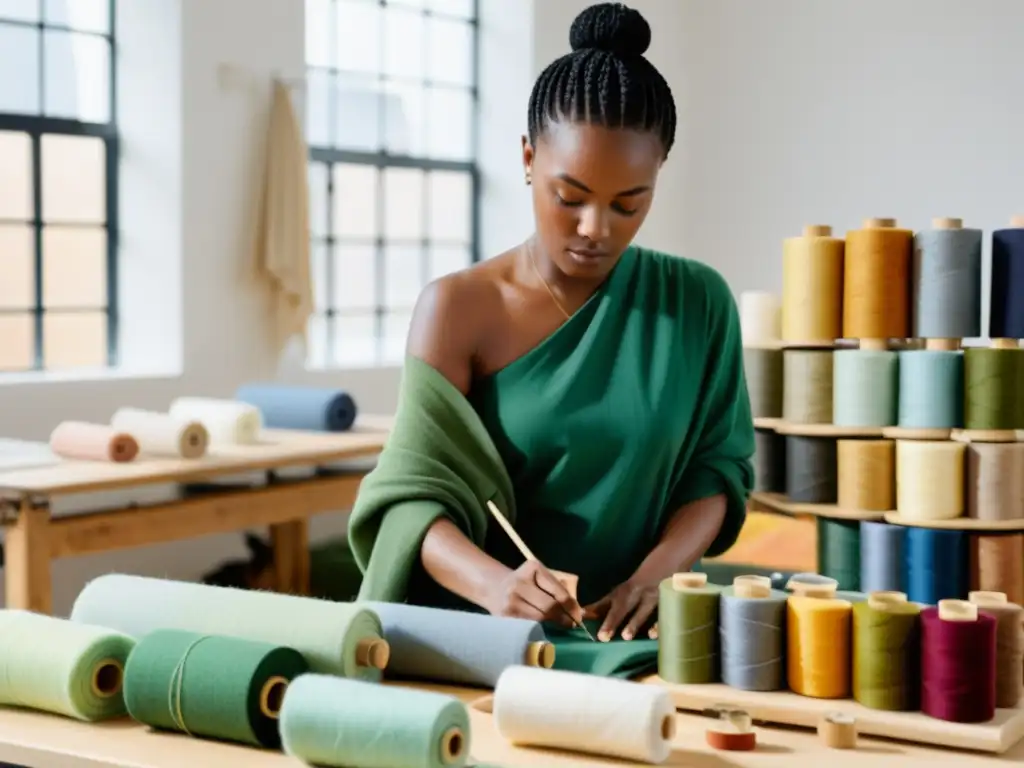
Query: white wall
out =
(791, 112)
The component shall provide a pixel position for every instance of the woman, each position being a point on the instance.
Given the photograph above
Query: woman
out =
(600, 384)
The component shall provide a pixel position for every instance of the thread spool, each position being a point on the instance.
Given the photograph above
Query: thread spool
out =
(865, 388)
(92, 442)
(839, 551)
(876, 283)
(1009, 645)
(763, 369)
(818, 646)
(333, 721)
(812, 585)
(807, 386)
(752, 617)
(929, 480)
(931, 389)
(625, 719)
(992, 379)
(995, 481)
(947, 282)
(157, 434)
(733, 732)
(688, 615)
(107, 678)
(1006, 307)
(997, 565)
(936, 566)
(867, 475)
(769, 461)
(760, 319)
(812, 286)
(886, 650)
(881, 557)
(811, 469)
(958, 662)
(837, 730)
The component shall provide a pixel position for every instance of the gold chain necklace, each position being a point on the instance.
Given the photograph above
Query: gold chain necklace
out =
(551, 293)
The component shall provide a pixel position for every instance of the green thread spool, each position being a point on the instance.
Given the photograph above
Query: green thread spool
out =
(208, 685)
(993, 379)
(688, 609)
(839, 552)
(53, 665)
(886, 652)
(341, 723)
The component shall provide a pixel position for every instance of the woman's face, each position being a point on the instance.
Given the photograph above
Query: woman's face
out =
(592, 189)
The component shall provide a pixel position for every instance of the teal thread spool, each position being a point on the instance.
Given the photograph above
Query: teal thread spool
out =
(839, 552)
(931, 391)
(209, 685)
(865, 388)
(54, 665)
(340, 723)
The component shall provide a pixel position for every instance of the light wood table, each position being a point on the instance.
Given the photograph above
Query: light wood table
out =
(34, 537)
(39, 740)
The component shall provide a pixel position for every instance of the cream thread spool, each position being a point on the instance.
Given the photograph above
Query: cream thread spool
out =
(929, 480)
(760, 319)
(995, 481)
(837, 730)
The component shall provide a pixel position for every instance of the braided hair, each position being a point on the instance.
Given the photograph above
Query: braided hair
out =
(606, 80)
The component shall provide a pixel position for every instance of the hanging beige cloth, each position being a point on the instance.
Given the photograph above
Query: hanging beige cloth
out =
(282, 243)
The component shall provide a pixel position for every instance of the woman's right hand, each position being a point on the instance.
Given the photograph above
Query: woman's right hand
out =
(532, 592)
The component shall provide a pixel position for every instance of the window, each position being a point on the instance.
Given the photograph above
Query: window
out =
(58, 185)
(391, 122)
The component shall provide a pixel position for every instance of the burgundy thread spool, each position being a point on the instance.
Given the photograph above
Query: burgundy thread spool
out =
(958, 662)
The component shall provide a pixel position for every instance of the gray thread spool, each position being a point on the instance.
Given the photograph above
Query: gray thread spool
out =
(881, 557)
(764, 381)
(769, 461)
(865, 388)
(807, 386)
(752, 632)
(811, 469)
(946, 281)
(994, 481)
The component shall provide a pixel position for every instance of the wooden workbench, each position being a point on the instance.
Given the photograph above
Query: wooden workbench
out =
(34, 537)
(47, 741)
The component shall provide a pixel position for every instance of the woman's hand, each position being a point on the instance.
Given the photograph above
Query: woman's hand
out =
(532, 592)
(630, 600)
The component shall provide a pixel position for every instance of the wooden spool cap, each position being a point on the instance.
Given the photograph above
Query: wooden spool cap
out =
(272, 696)
(107, 678)
(881, 600)
(879, 345)
(682, 581)
(540, 654)
(817, 230)
(453, 744)
(825, 590)
(752, 587)
(957, 610)
(942, 345)
(1004, 343)
(668, 727)
(880, 223)
(985, 599)
(1017, 220)
(947, 223)
(373, 652)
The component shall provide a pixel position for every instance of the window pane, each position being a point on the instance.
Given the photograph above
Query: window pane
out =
(355, 201)
(17, 267)
(405, 120)
(403, 271)
(358, 35)
(318, 33)
(403, 43)
(16, 172)
(451, 52)
(451, 199)
(73, 179)
(83, 15)
(19, 70)
(444, 260)
(318, 108)
(74, 267)
(318, 199)
(316, 341)
(17, 347)
(417, 4)
(460, 8)
(396, 331)
(355, 277)
(355, 116)
(77, 76)
(19, 10)
(450, 136)
(75, 340)
(355, 340)
(319, 255)
(403, 204)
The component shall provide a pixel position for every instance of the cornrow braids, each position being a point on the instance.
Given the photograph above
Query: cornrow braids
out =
(605, 80)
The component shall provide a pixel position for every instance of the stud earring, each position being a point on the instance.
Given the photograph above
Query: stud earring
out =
(529, 180)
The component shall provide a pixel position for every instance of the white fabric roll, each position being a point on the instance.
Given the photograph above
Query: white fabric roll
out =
(228, 422)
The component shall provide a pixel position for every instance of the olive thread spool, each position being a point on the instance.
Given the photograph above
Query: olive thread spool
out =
(812, 286)
(886, 639)
(947, 284)
(993, 377)
(876, 283)
(688, 621)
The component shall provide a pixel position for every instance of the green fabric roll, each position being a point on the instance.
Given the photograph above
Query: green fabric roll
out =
(208, 685)
(575, 652)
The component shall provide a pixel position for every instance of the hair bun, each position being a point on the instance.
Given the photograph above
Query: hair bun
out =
(611, 27)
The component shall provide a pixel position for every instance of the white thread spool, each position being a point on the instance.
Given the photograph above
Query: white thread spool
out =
(228, 422)
(760, 318)
(584, 713)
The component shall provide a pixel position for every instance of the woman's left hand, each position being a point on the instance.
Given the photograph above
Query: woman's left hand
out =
(630, 600)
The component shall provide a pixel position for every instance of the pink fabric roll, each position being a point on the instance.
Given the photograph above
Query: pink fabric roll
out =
(92, 442)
